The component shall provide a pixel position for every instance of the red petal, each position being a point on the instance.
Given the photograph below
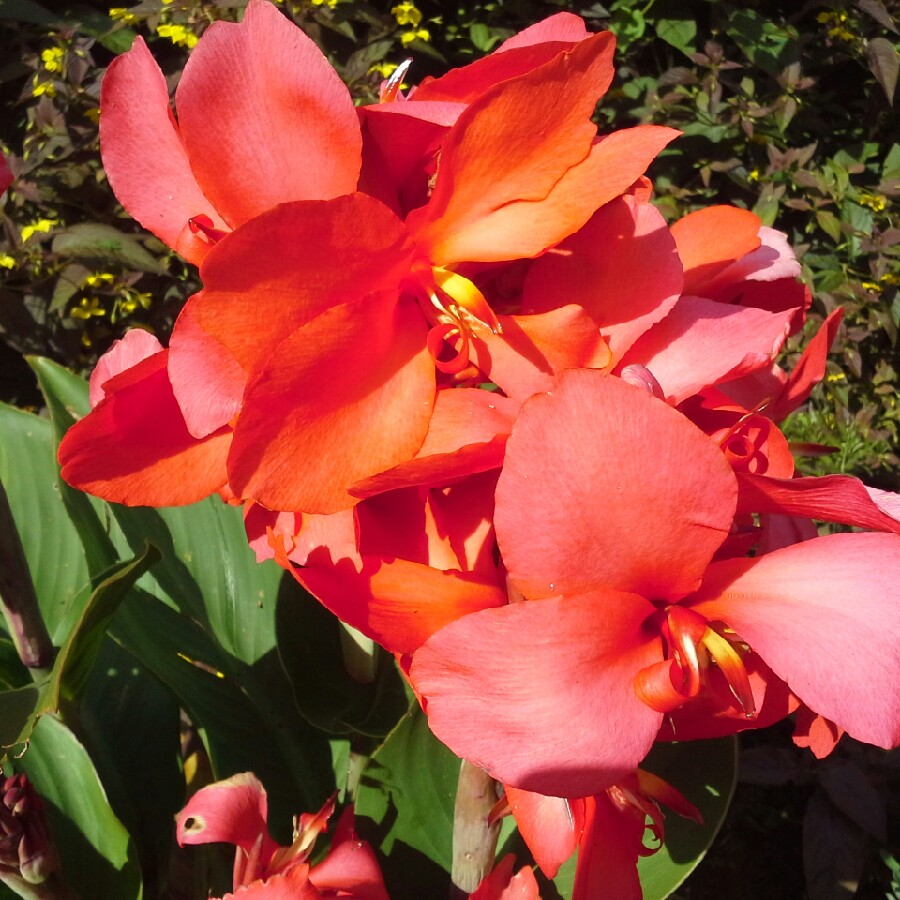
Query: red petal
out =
(604, 269)
(343, 398)
(550, 826)
(607, 860)
(701, 343)
(467, 434)
(134, 347)
(293, 885)
(265, 118)
(529, 49)
(532, 350)
(583, 467)
(144, 157)
(351, 870)
(503, 687)
(829, 498)
(266, 279)
(501, 884)
(399, 603)
(825, 616)
(509, 149)
(710, 240)
(232, 811)
(134, 447)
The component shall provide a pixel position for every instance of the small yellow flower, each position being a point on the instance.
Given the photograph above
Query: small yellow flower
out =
(178, 35)
(872, 287)
(875, 202)
(119, 12)
(384, 69)
(407, 37)
(753, 175)
(39, 88)
(41, 225)
(53, 59)
(98, 279)
(331, 4)
(87, 308)
(7, 261)
(407, 14)
(890, 278)
(835, 377)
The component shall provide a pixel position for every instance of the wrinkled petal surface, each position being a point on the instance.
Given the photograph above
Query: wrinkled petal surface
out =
(583, 467)
(503, 687)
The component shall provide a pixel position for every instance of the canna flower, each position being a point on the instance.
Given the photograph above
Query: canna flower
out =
(28, 860)
(609, 511)
(234, 811)
(323, 327)
(262, 119)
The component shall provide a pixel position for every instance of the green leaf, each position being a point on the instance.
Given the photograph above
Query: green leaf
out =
(410, 790)
(770, 46)
(680, 33)
(706, 773)
(103, 242)
(98, 859)
(309, 646)
(52, 548)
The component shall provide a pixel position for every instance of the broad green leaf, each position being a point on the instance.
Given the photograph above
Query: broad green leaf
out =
(706, 773)
(410, 787)
(52, 548)
(79, 652)
(309, 646)
(768, 45)
(680, 33)
(245, 727)
(131, 725)
(106, 244)
(17, 708)
(98, 859)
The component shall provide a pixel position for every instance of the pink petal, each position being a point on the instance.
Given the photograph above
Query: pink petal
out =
(825, 616)
(604, 269)
(265, 118)
(292, 885)
(134, 347)
(144, 157)
(828, 498)
(134, 448)
(501, 884)
(232, 811)
(701, 343)
(343, 398)
(351, 870)
(583, 466)
(503, 687)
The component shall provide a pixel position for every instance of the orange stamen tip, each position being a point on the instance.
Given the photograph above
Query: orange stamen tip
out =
(732, 667)
(464, 294)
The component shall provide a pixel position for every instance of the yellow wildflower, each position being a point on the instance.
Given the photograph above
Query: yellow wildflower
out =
(407, 14)
(87, 308)
(875, 202)
(119, 12)
(890, 278)
(53, 59)
(753, 175)
(178, 35)
(835, 377)
(39, 88)
(872, 287)
(407, 37)
(98, 279)
(331, 4)
(7, 261)
(41, 225)
(384, 69)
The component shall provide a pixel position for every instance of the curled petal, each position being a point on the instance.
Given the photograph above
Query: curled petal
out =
(134, 347)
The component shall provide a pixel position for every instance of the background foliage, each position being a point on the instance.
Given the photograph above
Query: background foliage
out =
(786, 109)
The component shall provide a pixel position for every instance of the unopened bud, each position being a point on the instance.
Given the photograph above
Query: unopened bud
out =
(24, 842)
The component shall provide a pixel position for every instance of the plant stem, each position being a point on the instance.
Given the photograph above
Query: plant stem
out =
(474, 838)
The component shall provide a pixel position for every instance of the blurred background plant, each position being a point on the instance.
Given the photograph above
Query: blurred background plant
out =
(786, 109)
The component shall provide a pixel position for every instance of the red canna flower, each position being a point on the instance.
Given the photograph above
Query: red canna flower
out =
(234, 811)
(609, 510)
(263, 118)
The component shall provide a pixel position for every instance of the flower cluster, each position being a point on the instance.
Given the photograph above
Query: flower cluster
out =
(478, 397)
